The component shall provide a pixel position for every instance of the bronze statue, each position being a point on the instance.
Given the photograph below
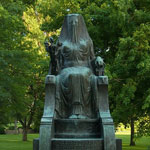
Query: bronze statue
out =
(75, 63)
(76, 103)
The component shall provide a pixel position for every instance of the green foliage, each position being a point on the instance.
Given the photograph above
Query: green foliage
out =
(120, 30)
(144, 126)
(11, 127)
(2, 130)
(23, 62)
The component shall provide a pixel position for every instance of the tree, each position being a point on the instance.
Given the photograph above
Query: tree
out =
(120, 31)
(22, 62)
(11, 29)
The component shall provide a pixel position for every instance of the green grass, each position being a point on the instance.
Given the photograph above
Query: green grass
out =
(13, 142)
(141, 144)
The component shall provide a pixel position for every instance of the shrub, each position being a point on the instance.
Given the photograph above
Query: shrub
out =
(2, 130)
(11, 127)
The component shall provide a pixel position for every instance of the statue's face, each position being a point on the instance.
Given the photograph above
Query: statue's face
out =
(73, 21)
(74, 29)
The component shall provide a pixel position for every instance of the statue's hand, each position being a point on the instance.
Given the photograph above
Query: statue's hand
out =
(46, 46)
(99, 63)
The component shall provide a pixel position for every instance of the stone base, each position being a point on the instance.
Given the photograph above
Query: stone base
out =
(77, 144)
(77, 128)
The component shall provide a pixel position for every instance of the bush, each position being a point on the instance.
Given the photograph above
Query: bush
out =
(11, 127)
(2, 130)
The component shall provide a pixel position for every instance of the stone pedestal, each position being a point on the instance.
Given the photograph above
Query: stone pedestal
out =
(77, 128)
(77, 144)
(77, 134)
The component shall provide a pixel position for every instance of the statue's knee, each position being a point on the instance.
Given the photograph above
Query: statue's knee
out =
(74, 75)
(50, 79)
(102, 80)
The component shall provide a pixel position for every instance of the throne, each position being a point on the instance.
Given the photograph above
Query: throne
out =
(74, 126)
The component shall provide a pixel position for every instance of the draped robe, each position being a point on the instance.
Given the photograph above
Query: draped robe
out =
(74, 55)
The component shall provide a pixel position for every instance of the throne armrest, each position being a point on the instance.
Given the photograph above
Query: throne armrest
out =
(49, 96)
(47, 121)
(102, 100)
(108, 131)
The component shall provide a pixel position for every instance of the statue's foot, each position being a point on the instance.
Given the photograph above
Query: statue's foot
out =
(81, 117)
(73, 117)
(77, 117)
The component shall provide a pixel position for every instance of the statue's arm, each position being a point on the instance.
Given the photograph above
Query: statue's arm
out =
(97, 63)
(51, 49)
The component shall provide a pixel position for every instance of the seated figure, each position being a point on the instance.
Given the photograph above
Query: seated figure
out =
(76, 88)
(75, 66)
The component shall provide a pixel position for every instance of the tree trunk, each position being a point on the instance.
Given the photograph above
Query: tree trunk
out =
(24, 134)
(132, 142)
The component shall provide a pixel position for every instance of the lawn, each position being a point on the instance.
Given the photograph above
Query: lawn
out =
(141, 144)
(13, 142)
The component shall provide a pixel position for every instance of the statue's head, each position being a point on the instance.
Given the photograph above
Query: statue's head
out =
(74, 29)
